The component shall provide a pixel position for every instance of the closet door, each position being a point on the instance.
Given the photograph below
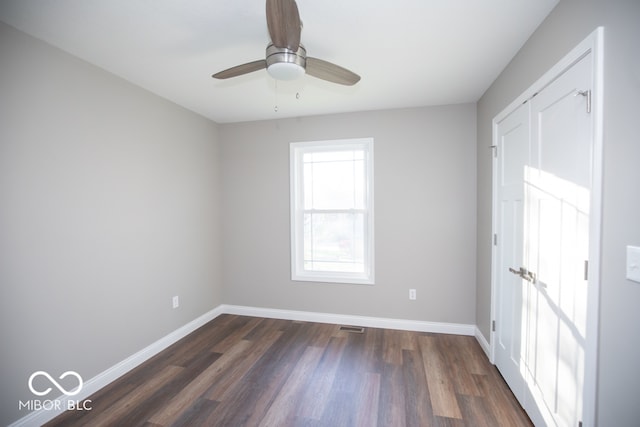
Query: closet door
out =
(512, 159)
(543, 184)
(557, 193)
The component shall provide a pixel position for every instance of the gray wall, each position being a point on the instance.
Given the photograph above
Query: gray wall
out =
(569, 23)
(109, 206)
(425, 219)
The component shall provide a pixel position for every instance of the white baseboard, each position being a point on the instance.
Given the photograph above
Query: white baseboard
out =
(37, 418)
(343, 319)
(486, 347)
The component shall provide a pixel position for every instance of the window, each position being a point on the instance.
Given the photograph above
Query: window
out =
(332, 211)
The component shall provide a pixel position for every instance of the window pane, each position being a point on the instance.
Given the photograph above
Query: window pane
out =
(333, 267)
(330, 156)
(333, 185)
(307, 183)
(334, 242)
(360, 186)
(334, 180)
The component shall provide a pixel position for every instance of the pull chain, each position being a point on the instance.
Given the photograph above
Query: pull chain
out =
(275, 97)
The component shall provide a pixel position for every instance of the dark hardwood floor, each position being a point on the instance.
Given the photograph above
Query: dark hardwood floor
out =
(246, 371)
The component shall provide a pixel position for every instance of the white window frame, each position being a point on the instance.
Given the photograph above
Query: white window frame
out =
(298, 272)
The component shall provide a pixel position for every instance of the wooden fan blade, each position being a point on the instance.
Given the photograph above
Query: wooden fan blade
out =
(239, 70)
(331, 72)
(283, 21)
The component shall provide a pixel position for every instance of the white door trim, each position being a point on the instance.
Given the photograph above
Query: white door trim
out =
(593, 44)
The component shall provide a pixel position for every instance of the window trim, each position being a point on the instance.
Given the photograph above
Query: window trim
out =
(298, 273)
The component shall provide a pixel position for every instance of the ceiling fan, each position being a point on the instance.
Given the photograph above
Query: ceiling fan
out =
(286, 58)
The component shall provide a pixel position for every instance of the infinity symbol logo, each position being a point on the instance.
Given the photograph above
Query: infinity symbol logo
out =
(55, 383)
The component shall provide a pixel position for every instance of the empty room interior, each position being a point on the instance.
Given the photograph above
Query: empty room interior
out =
(198, 231)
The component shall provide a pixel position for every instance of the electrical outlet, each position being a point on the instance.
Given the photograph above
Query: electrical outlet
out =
(176, 302)
(412, 294)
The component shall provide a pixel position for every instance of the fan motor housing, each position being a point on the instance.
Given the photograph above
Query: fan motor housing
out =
(284, 63)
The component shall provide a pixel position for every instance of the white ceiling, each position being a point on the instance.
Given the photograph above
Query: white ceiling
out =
(409, 53)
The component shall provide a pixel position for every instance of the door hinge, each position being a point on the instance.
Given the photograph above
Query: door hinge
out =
(495, 239)
(586, 269)
(494, 148)
(587, 94)
(493, 326)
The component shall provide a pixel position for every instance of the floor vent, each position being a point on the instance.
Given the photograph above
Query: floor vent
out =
(354, 329)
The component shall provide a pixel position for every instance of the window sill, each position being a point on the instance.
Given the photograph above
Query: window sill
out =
(323, 278)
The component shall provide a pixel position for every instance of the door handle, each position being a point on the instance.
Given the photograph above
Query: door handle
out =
(514, 271)
(531, 276)
(527, 275)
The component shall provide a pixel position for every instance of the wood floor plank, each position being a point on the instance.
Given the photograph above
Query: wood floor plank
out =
(474, 357)
(238, 368)
(441, 386)
(368, 401)
(224, 344)
(392, 347)
(371, 349)
(319, 390)
(418, 410)
(164, 395)
(401, 340)
(450, 422)
(196, 388)
(185, 350)
(117, 412)
(392, 406)
(197, 414)
(500, 399)
(244, 371)
(477, 409)
(247, 405)
(341, 408)
(456, 365)
(322, 333)
(284, 407)
(141, 409)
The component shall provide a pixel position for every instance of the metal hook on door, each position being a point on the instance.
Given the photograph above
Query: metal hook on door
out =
(587, 94)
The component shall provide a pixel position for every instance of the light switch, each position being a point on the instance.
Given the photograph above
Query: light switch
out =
(633, 263)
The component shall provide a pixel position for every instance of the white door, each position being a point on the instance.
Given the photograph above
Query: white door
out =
(542, 220)
(513, 156)
(558, 183)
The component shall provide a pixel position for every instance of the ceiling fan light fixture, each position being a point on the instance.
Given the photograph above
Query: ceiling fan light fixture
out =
(285, 64)
(285, 71)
